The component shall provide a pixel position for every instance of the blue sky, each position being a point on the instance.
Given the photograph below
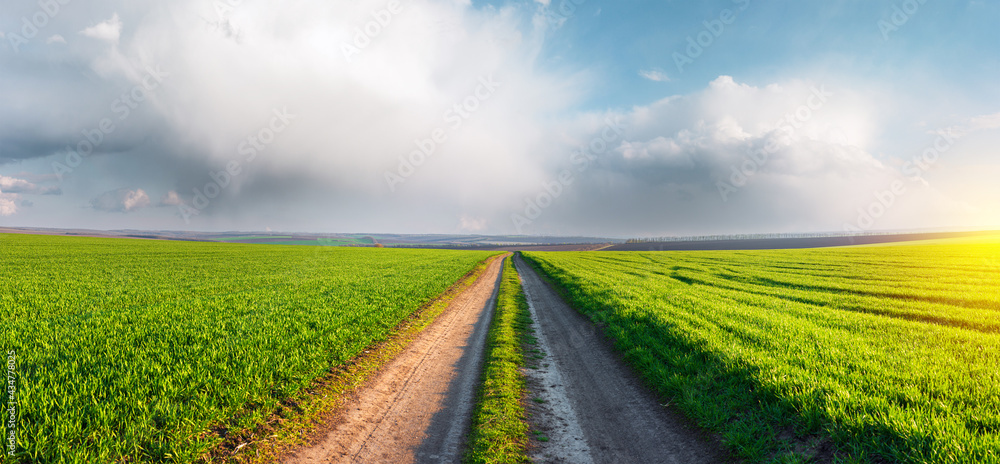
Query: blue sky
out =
(950, 46)
(535, 89)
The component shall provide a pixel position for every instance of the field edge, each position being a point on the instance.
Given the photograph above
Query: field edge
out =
(302, 419)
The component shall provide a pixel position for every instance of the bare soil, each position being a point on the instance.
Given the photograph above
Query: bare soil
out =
(590, 407)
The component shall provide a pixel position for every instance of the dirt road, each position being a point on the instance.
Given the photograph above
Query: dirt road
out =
(594, 409)
(418, 408)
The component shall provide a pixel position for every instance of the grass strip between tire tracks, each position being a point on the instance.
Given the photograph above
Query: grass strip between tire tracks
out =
(499, 429)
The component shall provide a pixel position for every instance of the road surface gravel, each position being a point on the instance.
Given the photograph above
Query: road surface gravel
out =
(587, 390)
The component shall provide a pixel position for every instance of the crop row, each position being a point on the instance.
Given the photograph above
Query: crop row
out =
(863, 354)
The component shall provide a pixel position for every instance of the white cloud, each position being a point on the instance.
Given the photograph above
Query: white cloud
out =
(18, 185)
(171, 199)
(121, 200)
(976, 124)
(13, 184)
(663, 175)
(661, 149)
(986, 122)
(654, 75)
(55, 39)
(135, 200)
(8, 203)
(353, 118)
(108, 31)
(472, 224)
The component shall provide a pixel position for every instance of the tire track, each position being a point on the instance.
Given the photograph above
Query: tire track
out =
(621, 421)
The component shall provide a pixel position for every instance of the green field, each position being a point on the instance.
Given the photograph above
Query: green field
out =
(289, 240)
(319, 242)
(251, 237)
(141, 350)
(862, 354)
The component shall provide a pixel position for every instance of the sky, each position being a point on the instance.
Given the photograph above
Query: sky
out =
(556, 117)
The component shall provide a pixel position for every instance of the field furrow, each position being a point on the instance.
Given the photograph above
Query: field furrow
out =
(871, 353)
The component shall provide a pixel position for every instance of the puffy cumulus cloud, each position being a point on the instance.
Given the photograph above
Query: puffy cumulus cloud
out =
(8, 203)
(135, 200)
(793, 129)
(13, 184)
(121, 200)
(19, 185)
(108, 31)
(171, 198)
(12, 188)
(731, 158)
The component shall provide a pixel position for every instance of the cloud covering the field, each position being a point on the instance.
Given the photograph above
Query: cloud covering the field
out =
(434, 116)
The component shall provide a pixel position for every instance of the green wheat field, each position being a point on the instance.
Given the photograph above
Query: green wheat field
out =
(861, 354)
(134, 350)
(137, 350)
